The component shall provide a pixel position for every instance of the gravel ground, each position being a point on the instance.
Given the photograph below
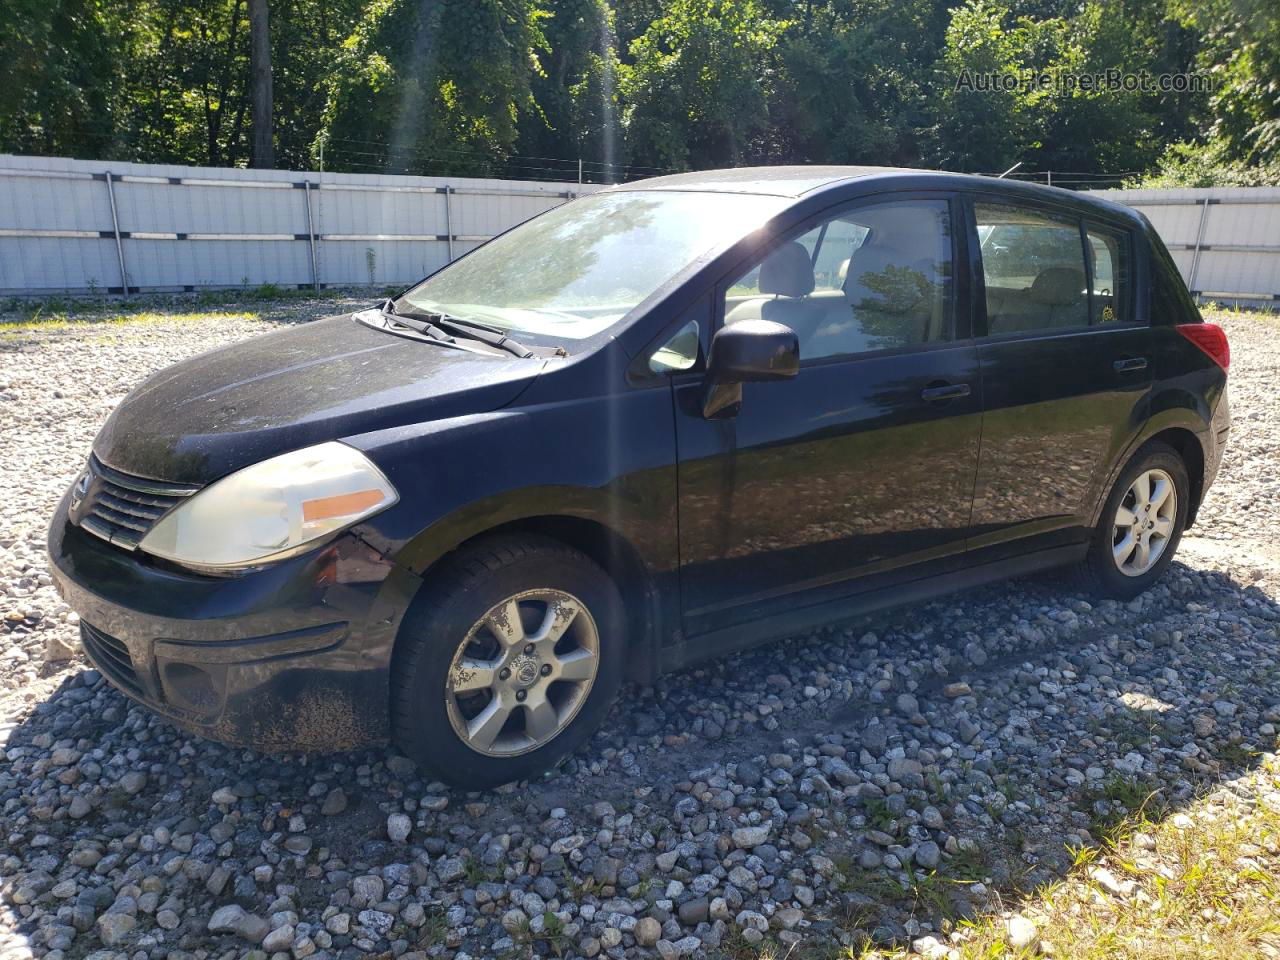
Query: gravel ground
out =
(866, 784)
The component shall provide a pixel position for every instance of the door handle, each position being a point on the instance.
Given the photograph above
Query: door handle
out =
(1130, 363)
(944, 391)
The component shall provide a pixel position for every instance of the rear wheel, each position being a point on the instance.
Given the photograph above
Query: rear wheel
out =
(1141, 524)
(507, 662)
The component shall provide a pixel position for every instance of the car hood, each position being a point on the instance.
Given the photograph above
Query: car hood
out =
(203, 418)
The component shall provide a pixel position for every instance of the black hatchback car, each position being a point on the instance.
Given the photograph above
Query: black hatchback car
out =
(656, 424)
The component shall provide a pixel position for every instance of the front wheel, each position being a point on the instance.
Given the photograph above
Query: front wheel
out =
(1141, 524)
(507, 662)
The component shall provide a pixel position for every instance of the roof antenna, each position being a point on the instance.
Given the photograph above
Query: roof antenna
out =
(1010, 170)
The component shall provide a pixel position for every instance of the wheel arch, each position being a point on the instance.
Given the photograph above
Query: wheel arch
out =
(645, 613)
(1189, 448)
(1175, 430)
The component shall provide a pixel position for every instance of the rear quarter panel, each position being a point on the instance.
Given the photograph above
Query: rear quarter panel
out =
(1188, 392)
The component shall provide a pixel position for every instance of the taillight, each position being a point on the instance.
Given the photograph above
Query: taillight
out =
(1210, 338)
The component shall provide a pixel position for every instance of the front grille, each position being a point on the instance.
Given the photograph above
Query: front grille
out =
(123, 509)
(111, 657)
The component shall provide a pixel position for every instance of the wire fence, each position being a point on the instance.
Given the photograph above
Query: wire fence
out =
(381, 157)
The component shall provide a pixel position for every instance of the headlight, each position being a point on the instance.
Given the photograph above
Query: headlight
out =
(272, 509)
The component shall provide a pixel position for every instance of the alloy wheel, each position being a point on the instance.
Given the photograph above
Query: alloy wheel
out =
(522, 672)
(1144, 522)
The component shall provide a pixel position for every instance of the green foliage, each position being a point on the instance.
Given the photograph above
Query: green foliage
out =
(1241, 48)
(981, 129)
(526, 87)
(573, 84)
(420, 84)
(56, 75)
(164, 81)
(1109, 130)
(878, 55)
(1205, 165)
(696, 89)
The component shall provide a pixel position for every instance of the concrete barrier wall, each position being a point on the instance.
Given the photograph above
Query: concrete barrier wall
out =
(1226, 240)
(79, 226)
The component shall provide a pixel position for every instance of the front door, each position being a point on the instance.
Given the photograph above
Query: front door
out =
(865, 461)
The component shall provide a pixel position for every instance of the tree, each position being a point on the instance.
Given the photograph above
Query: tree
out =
(525, 87)
(60, 75)
(851, 88)
(1200, 165)
(260, 67)
(1242, 53)
(574, 102)
(698, 88)
(190, 102)
(979, 129)
(431, 86)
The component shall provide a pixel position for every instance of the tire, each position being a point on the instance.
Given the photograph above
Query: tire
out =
(444, 691)
(1101, 572)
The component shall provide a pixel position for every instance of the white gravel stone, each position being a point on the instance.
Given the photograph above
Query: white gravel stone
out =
(744, 838)
(1021, 933)
(398, 827)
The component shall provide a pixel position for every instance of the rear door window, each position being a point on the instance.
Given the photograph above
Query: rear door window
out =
(1033, 268)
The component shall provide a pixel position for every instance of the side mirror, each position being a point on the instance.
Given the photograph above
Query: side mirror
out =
(744, 352)
(751, 350)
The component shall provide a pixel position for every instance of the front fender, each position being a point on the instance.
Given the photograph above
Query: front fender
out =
(608, 460)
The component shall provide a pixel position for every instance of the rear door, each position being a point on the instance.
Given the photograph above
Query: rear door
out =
(1066, 368)
(864, 462)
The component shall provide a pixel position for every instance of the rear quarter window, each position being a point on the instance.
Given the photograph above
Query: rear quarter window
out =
(1171, 302)
(1110, 262)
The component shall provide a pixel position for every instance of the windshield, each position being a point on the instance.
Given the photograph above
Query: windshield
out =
(578, 269)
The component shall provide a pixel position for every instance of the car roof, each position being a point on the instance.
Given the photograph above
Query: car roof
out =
(791, 181)
(799, 181)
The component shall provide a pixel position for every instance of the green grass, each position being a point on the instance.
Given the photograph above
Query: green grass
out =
(1122, 805)
(476, 872)
(434, 930)
(61, 321)
(27, 309)
(1213, 311)
(1208, 890)
(551, 937)
(879, 816)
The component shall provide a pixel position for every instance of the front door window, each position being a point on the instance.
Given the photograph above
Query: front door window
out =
(870, 279)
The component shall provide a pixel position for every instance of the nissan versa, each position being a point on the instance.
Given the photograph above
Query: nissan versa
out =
(653, 425)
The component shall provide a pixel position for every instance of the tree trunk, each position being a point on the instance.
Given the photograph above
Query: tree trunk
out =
(260, 73)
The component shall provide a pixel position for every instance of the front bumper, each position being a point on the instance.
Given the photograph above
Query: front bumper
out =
(292, 656)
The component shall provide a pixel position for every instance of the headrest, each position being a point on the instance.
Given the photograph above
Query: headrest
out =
(1058, 287)
(875, 254)
(787, 271)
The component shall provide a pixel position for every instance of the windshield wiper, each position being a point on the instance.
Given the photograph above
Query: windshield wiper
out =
(421, 324)
(495, 338)
(470, 329)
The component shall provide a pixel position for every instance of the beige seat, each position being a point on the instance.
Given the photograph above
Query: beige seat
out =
(785, 283)
(1056, 298)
